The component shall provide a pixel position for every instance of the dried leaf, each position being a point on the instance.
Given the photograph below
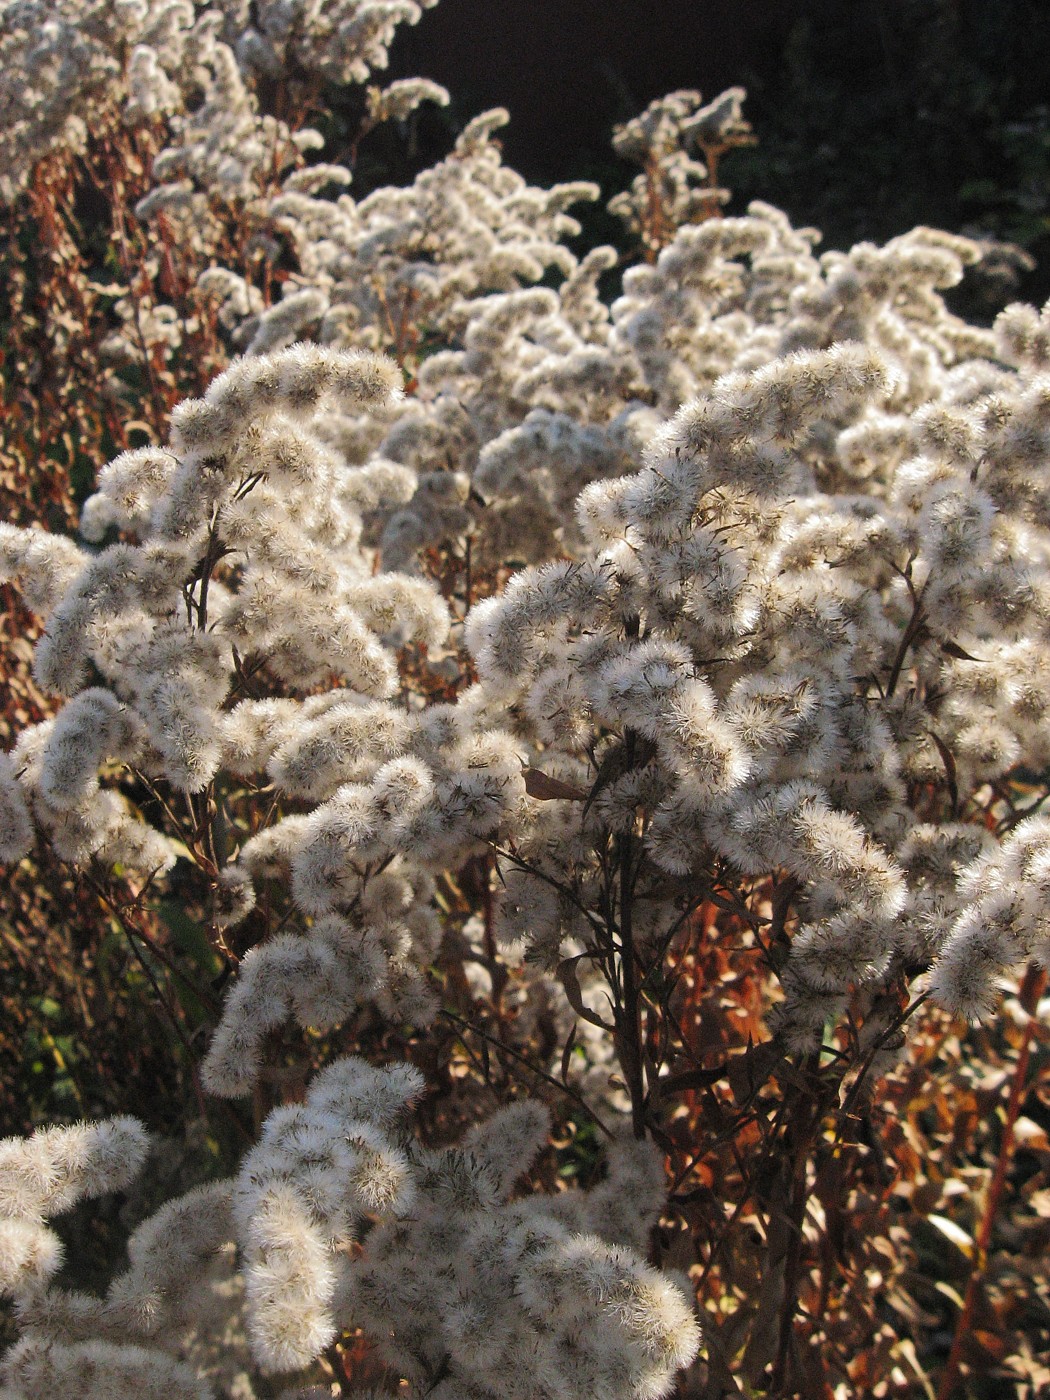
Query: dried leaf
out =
(544, 788)
(569, 980)
(688, 1079)
(748, 1072)
(989, 1342)
(954, 649)
(949, 1292)
(1030, 1135)
(955, 1233)
(948, 759)
(566, 1054)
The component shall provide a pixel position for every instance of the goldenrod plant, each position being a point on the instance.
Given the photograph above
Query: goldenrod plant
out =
(589, 735)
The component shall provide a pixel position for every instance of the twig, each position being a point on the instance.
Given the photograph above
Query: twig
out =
(533, 1069)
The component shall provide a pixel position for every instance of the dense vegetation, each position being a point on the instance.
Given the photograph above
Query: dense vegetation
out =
(524, 757)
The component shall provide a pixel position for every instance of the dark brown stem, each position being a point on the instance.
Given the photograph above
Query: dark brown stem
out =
(911, 634)
(129, 916)
(628, 1017)
(891, 1030)
(786, 1325)
(212, 555)
(1032, 988)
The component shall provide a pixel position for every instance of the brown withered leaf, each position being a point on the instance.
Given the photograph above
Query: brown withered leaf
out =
(748, 1072)
(955, 650)
(544, 788)
(567, 977)
(989, 1342)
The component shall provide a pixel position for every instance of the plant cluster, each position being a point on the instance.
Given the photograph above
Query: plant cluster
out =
(556, 716)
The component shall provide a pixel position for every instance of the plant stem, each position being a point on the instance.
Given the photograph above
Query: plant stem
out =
(1032, 988)
(629, 1031)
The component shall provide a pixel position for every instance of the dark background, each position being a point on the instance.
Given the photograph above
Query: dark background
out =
(872, 115)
